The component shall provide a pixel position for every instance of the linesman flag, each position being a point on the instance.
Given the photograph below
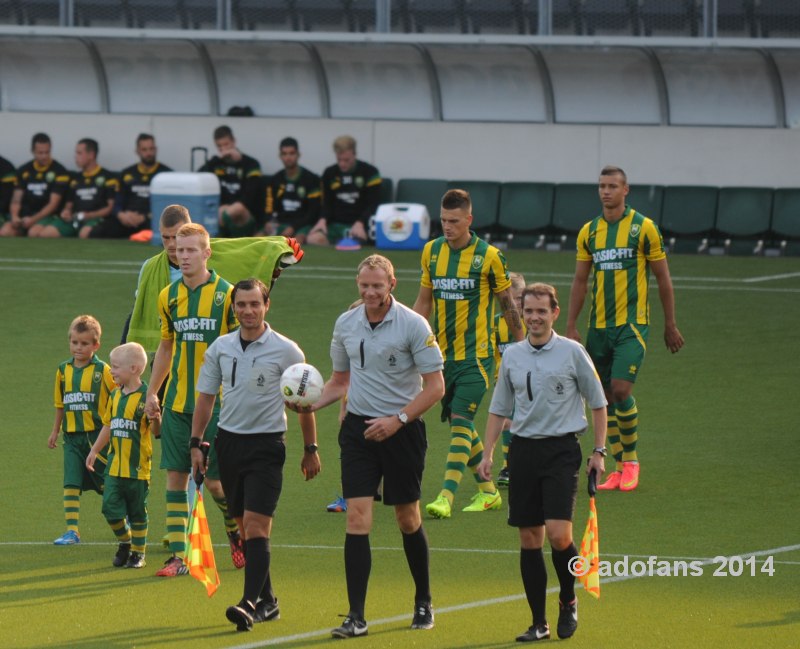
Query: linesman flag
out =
(202, 565)
(590, 546)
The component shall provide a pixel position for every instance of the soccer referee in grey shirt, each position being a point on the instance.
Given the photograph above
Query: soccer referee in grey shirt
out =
(386, 359)
(543, 381)
(250, 443)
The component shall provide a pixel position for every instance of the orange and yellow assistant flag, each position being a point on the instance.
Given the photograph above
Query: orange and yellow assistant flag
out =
(590, 552)
(200, 560)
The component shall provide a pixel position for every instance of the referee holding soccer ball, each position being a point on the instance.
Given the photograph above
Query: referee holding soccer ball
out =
(386, 360)
(250, 442)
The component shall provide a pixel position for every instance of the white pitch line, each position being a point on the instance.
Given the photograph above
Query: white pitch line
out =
(304, 269)
(103, 271)
(751, 289)
(78, 262)
(379, 548)
(345, 269)
(769, 278)
(486, 602)
(311, 272)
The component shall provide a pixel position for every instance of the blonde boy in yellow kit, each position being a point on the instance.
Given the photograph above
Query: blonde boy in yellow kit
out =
(82, 387)
(128, 432)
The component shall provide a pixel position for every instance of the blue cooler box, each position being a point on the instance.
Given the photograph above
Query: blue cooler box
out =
(402, 226)
(197, 192)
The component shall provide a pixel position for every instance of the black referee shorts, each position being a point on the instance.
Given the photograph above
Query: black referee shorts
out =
(251, 470)
(544, 481)
(399, 460)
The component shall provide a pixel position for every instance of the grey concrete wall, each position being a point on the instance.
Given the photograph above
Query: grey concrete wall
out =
(724, 156)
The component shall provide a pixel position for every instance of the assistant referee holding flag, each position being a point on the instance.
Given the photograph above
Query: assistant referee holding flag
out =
(542, 384)
(250, 442)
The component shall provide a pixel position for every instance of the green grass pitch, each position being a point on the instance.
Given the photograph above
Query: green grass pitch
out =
(718, 443)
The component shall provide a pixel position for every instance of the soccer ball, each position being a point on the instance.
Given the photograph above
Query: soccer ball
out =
(301, 384)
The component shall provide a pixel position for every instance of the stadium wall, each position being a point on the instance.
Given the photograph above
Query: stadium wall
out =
(724, 156)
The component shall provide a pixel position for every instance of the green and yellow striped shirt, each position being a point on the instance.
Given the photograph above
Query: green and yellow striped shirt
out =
(464, 283)
(131, 449)
(192, 319)
(502, 339)
(620, 253)
(83, 394)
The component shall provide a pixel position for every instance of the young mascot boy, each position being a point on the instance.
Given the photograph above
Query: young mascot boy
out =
(130, 433)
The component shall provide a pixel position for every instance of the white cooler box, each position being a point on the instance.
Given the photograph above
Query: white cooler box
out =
(197, 192)
(402, 226)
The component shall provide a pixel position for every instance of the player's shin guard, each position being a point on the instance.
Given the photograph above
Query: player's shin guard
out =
(566, 579)
(266, 590)
(534, 580)
(138, 536)
(256, 569)
(475, 458)
(628, 420)
(357, 566)
(121, 530)
(506, 442)
(417, 556)
(72, 508)
(177, 520)
(222, 503)
(614, 441)
(461, 431)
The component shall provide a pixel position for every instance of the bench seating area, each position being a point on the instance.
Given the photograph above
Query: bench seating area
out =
(715, 220)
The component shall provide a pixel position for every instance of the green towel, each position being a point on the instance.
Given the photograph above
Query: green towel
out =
(233, 259)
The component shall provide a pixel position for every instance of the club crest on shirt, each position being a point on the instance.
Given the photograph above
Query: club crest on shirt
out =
(359, 182)
(100, 181)
(477, 261)
(139, 411)
(50, 176)
(219, 298)
(301, 192)
(635, 229)
(97, 377)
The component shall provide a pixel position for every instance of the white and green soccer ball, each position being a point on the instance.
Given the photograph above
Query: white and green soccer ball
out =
(302, 384)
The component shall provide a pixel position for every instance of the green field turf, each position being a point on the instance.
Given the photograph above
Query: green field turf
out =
(718, 443)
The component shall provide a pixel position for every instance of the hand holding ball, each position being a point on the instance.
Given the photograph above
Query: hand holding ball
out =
(301, 384)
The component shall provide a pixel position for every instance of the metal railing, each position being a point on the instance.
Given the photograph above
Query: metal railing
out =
(692, 18)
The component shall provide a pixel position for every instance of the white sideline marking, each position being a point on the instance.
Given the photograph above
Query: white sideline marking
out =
(104, 271)
(379, 548)
(448, 609)
(347, 276)
(68, 262)
(303, 268)
(769, 278)
(486, 602)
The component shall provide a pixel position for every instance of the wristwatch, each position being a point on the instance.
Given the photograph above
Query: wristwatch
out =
(310, 448)
(403, 417)
(600, 449)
